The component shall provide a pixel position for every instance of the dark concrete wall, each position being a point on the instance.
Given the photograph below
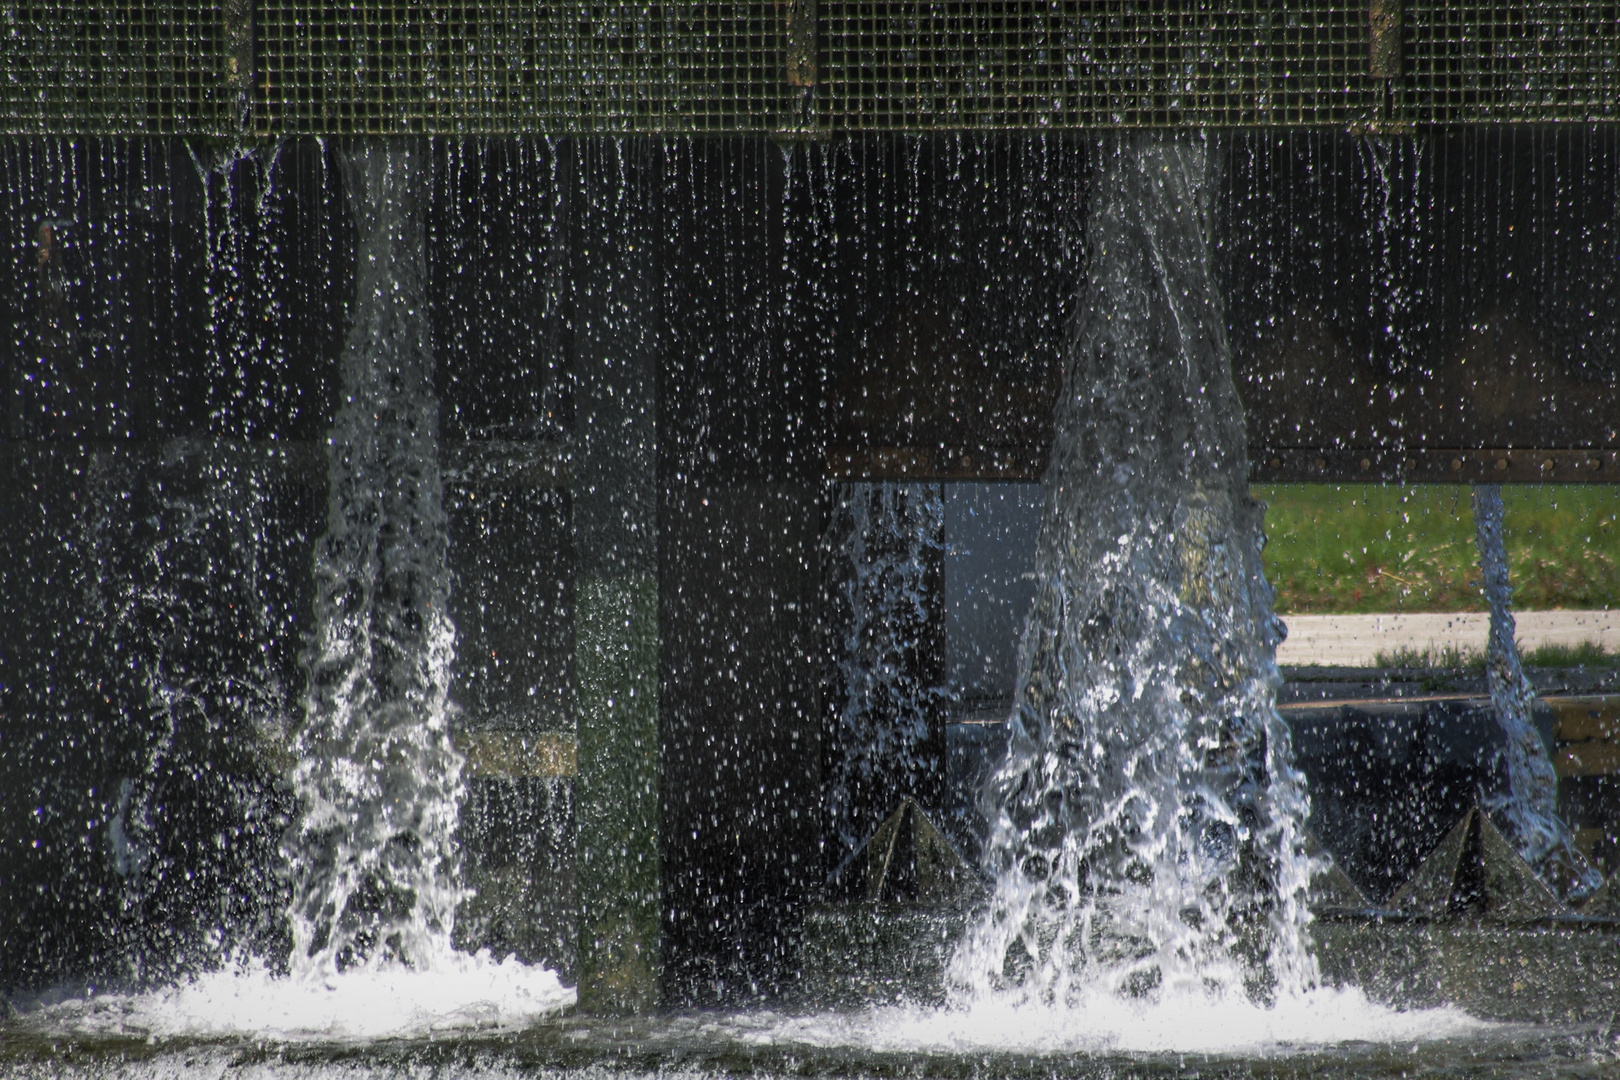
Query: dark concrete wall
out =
(739, 514)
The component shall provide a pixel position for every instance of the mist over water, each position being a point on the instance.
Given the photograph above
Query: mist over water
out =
(1101, 1022)
(1147, 824)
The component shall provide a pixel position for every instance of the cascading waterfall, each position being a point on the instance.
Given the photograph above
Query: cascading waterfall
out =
(887, 698)
(1528, 807)
(1147, 824)
(378, 777)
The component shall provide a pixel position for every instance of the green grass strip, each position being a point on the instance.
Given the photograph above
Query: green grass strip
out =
(1364, 548)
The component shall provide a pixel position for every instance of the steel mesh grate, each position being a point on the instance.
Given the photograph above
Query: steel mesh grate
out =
(1067, 63)
(1475, 62)
(381, 66)
(272, 67)
(135, 67)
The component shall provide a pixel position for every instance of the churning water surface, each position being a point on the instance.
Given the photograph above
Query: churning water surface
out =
(1322, 1034)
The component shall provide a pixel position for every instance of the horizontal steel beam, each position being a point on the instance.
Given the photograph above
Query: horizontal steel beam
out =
(1270, 465)
(1434, 465)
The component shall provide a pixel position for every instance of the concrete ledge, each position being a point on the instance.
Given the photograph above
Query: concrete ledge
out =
(860, 954)
(1560, 972)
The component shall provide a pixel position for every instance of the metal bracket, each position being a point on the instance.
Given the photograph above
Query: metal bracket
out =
(801, 43)
(1384, 39)
(800, 72)
(237, 17)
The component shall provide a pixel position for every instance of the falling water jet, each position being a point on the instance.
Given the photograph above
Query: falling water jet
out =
(1146, 829)
(377, 776)
(890, 695)
(1528, 807)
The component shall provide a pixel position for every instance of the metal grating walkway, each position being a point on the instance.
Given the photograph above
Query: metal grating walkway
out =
(275, 67)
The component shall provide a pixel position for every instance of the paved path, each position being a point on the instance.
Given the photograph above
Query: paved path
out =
(1356, 640)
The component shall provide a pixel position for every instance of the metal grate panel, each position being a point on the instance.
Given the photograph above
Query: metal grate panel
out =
(134, 67)
(273, 67)
(1068, 63)
(499, 66)
(1475, 62)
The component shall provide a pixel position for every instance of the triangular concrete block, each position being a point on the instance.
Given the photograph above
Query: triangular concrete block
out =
(1510, 890)
(880, 851)
(907, 862)
(1566, 870)
(1429, 890)
(1475, 871)
(943, 876)
(1331, 887)
(1605, 903)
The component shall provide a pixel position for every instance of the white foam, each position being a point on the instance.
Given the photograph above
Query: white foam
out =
(1106, 1023)
(457, 992)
